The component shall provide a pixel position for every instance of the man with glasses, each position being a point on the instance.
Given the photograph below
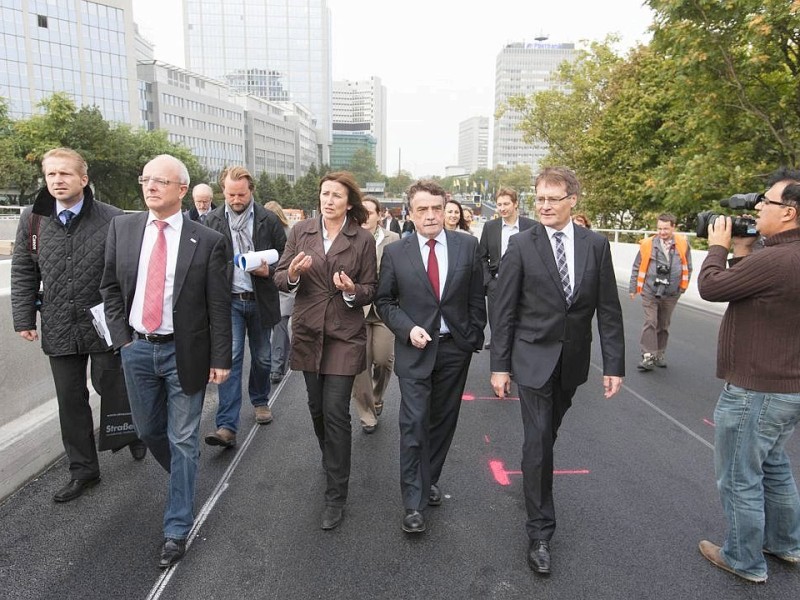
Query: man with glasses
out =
(660, 274)
(202, 196)
(167, 293)
(759, 360)
(554, 278)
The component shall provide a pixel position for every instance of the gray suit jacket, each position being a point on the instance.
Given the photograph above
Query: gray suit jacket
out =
(201, 296)
(533, 328)
(405, 298)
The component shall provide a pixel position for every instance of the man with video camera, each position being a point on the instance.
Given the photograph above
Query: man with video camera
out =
(759, 360)
(660, 274)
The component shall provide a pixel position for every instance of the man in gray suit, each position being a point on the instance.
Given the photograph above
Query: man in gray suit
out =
(166, 288)
(430, 294)
(554, 278)
(495, 237)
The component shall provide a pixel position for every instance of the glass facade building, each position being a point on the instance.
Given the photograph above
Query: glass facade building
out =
(359, 107)
(79, 47)
(521, 70)
(277, 49)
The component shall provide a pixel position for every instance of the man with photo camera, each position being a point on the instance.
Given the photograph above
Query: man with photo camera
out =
(759, 360)
(660, 274)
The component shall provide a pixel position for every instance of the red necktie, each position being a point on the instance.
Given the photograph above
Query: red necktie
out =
(156, 275)
(433, 268)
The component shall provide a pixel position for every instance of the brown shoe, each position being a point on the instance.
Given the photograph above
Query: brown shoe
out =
(712, 553)
(263, 414)
(221, 437)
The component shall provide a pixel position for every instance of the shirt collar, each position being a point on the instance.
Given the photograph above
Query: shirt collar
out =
(173, 221)
(514, 225)
(75, 210)
(441, 238)
(568, 231)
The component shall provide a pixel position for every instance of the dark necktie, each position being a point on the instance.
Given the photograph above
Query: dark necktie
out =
(203, 219)
(68, 216)
(156, 275)
(561, 262)
(433, 268)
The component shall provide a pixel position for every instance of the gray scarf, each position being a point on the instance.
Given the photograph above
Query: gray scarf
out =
(238, 222)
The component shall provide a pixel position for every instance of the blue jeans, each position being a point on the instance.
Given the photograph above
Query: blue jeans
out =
(168, 421)
(758, 492)
(245, 319)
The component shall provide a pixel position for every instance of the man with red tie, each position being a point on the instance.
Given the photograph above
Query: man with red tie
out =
(166, 288)
(430, 294)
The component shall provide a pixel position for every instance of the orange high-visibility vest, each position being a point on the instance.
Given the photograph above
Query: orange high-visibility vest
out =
(646, 250)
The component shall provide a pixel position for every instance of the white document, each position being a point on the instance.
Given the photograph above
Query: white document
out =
(252, 260)
(99, 322)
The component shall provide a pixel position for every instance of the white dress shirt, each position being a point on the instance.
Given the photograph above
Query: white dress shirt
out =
(569, 249)
(441, 257)
(505, 234)
(173, 235)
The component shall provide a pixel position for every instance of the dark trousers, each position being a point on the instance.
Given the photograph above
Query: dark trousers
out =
(74, 411)
(329, 405)
(490, 292)
(428, 417)
(543, 409)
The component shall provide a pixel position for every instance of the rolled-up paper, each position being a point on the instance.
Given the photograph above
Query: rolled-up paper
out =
(250, 261)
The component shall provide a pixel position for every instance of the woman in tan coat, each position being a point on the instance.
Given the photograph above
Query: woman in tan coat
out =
(330, 261)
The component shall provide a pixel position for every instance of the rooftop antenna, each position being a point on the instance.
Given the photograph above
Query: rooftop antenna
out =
(542, 36)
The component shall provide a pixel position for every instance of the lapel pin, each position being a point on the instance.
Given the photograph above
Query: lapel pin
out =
(194, 241)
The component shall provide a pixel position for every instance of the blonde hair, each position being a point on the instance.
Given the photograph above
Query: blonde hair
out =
(276, 208)
(69, 154)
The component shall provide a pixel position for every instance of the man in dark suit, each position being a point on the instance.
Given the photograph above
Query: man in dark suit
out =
(202, 196)
(553, 280)
(390, 223)
(167, 294)
(495, 236)
(255, 303)
(430, 294)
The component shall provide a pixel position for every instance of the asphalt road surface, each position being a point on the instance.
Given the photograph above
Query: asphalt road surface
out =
(634, 494)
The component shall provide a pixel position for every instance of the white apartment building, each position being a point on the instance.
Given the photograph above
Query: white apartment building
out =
(359, 110)
(523, 69)
(473, 144)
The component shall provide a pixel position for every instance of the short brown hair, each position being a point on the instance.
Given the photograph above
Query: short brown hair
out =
(508, 191)
(559, 176)
(348, 180)
(375, 201)
(69, 154)
(235, 174)
(426, 185)
(668, 218)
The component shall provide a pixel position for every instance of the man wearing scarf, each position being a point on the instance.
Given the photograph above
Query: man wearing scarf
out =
(255, 303)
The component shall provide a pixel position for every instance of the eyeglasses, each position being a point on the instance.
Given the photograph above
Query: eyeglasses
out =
(158, 181)
(551, 201)
(764, 200)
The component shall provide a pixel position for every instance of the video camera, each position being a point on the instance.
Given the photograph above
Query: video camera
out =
(742, 226)
(662, 280)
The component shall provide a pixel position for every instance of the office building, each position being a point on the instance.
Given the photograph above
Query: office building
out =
(473, 144)
(279, 50)
(85, 49)
(359, 121)
(523, 69)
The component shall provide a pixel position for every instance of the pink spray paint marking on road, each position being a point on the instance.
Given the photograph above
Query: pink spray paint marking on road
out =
(469, 397)
(501, 474)
(709, 423)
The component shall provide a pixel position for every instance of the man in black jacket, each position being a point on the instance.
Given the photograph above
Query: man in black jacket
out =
(60, 246)
(255, 306)
(202, 196)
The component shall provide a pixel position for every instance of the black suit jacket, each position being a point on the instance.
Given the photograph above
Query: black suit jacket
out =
(195, 216)
(268, 234)
(201, 295)
(392, 225)
(491, 245)
(533, 327)
(405, 298)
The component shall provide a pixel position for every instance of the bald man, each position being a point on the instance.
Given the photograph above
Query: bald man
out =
(203, 196)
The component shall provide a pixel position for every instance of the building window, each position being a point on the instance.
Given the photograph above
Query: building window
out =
(42, 20)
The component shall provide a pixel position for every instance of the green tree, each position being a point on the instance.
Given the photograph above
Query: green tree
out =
(306, 190)
(283, 191)
(397, 185)
(362, 166)
(264, 189)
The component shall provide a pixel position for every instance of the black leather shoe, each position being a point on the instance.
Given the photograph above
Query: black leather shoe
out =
(413, 522)
(435, 497)
(539, 557)
(74, 489)
(138, 450)
(332, 516)
(171, 552)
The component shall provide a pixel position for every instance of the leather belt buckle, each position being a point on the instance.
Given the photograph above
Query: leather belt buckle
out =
(244, 296)
(156, 338)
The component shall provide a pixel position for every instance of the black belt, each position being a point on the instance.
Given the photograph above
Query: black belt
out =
(246, 296)
(443, 337)
(154, 338)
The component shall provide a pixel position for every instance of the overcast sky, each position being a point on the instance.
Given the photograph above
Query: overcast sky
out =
(435, 57)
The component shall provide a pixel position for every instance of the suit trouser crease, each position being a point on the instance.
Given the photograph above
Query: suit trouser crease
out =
(74, 410)
(429, 410)
(543, 410)
(245, 320)
(329, 405)
(168, 421)
(370, 385)
(657, 317)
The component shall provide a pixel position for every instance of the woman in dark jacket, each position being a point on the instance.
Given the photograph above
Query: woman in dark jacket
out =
(330, 261)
